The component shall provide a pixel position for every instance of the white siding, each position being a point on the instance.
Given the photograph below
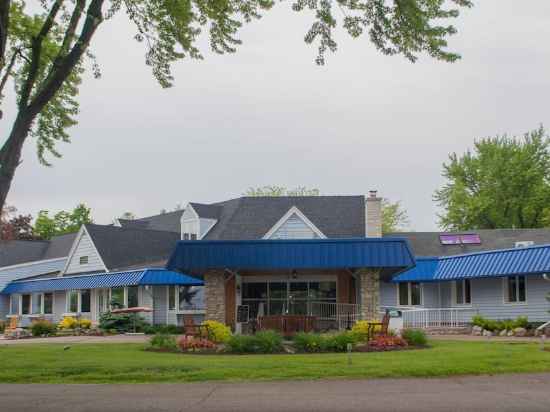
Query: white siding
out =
(294, 228)
(85, 247)
(59, 305)
(9, 273)
(160, 305)
(205, 226)
(146, 299)
(4, 306)
(388, 294)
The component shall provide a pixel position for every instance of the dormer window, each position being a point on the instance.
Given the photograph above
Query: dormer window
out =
(83, 260)
(189, 236)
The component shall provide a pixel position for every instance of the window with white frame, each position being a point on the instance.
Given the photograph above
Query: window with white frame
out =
(26, 304)
(409, 294)
(515, 289)
(79, 301)
(14, 304)
(125, 297)
(462, 292)
(183, 298)
(31, 304)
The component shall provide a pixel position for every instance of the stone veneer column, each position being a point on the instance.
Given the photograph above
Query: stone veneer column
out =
(214, 295)
(369, 293)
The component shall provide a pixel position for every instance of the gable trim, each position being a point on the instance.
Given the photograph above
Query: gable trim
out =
(83, 231)
(294, 210)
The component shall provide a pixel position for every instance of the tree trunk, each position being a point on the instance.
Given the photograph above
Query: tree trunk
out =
(10, 154)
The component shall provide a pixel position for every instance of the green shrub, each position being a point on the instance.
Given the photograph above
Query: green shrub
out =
(122, 322)
(499, 325)
(414, 337)
(241, 344)
(165, 329)
(521, 322)
(2, 326)
(269, 341)
(339, 342)
(308, 342)
(43, 327)
(162, 341)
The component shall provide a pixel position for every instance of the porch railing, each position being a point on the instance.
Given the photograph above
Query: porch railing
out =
(438, 318)
(344, 315)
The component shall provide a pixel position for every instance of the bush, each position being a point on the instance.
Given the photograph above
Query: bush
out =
(85, 323)
(521, 322)
(217, 331)
(2, 326)
(339, 342)
(189, 343)
(414, 337)
(164, 342)
(387, 342)
(261, 342)
(43, 328)
(68, 322)
(308, 342)
(499, 325)
(122, 322)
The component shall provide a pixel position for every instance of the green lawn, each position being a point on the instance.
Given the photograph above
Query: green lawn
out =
(108, 363)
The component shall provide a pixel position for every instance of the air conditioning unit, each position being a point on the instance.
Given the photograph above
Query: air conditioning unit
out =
(525, 243)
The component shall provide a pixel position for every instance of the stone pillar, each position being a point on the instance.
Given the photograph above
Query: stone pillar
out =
(369, 293)
(374, 215)
(214, 295)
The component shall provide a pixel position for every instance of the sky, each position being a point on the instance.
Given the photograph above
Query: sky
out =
(268, 115)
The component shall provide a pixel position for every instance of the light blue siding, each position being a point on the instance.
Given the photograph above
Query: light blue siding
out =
(430, 295)
(294, 228)
(4, 306)
(160, 305)
(9, 273)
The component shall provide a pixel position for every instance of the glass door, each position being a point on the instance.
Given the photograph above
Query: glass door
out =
(102, 301)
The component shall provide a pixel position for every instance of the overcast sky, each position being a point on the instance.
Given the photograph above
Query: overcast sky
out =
(269, 115)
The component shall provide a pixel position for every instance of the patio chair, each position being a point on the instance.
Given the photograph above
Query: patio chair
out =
(12, 326)
(190, 328)
(383, 326)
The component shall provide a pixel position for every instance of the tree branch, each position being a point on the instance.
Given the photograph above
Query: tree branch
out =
(8, 72)
(68, 62)
(4, 23)
(36, 54)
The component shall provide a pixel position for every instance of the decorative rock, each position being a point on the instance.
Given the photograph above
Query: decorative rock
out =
(477, 330)
(487, 333)
(520, 332)
(503, 332)
(510, 333)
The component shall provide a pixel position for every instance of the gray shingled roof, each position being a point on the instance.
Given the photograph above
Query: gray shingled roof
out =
(207, 211)
(168, 222)
(428, 243)
(14, 252)
(122, 247)
(252, 217)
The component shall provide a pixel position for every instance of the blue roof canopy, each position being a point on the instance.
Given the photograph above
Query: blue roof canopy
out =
(103, 280)
(533, 260)
(197, 256)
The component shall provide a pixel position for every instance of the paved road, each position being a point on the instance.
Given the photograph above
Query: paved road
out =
(525, 393)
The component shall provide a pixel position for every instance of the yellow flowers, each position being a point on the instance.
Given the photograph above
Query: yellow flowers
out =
(361, 328)
(217, 332)
(70, 322)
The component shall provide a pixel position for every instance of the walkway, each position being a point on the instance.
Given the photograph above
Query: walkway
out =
(78, 339)
(505, 393)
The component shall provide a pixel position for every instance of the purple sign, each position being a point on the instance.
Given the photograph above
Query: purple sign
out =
(449, 239)
(471, 239)
(466, 239)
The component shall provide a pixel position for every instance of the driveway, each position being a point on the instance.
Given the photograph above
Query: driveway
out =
(505, 393)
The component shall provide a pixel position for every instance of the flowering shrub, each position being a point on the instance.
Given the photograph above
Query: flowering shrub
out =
(387, 342)
(85, 323)
(217, 331)
(68, 322)
(189, 343)
(43, 327)
(361, 329)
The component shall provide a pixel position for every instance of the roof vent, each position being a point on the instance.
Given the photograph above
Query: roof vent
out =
(525, 243)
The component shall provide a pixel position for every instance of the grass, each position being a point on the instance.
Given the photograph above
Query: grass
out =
(129, 363)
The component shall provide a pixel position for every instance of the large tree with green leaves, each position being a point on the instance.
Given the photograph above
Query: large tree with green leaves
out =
(394, 217)
(43, 54)
(62, 222)
(503, 183)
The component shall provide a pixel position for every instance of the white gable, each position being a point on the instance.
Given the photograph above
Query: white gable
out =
(192, 224)
(84, 256)
(294, 227)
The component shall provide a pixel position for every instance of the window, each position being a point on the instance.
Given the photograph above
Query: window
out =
(463, 293)
(514, 289)
(190, 298)
(171, 298)
(14, 304)
(409, 294)
(193, 236)
(48, 303)
(132, 296)
(79, 301)
(36, 303)
(117, 298)
(291, 297)
(186, 236)
(83, 260)
(26, 304)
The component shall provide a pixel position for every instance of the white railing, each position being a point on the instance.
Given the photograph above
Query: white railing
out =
(344, 314)
(437, 318)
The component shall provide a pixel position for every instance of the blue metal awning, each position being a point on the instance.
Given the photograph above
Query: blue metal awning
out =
(533, 260)
(197, 256)
(103, 280)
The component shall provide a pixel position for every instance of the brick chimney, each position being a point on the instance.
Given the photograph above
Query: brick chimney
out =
(374, 214)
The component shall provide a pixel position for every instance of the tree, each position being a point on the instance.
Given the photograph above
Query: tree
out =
(503, 183)
(15, 227)
(44, 55)
(280, 191)
(62, 222)
(394, 217)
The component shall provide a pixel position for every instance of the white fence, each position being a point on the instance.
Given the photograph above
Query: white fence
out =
(344, 314)
(438, 318)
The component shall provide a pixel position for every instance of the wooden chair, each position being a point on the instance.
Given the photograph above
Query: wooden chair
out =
(190, 328)
(12, 326)
(383, 326)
